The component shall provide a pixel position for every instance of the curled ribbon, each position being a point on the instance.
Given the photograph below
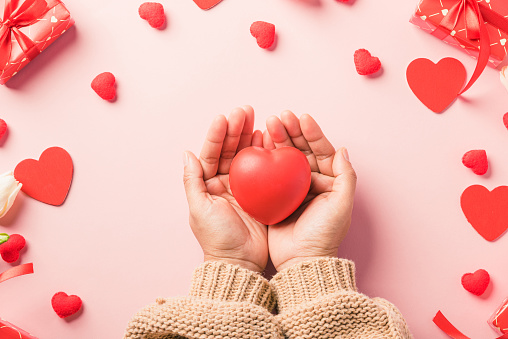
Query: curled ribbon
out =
(17, 271)
(447, 327)
(17, 16)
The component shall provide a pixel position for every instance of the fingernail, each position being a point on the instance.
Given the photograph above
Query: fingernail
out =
(345, 154)
(185, 158)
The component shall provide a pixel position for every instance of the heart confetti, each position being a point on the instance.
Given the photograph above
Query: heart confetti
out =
(153, 12)
(476, 282)
(66, 305)
(3, 128)
(365, 63)
(9, 250)
(477, 161)
(264, 33)
(104, 86)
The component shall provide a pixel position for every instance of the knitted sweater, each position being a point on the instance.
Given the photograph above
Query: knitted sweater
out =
(315, 299)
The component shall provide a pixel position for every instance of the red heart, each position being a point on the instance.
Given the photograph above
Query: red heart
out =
(9, 250)
(104, 85)
(436, 85)
(365, 63)
(486, 211)
(206, 4)
(477, 161)
(49, 179)
(476, 282)
(66, 305)
(269, 185)
(153, 12)
(264, 33)
(3, 128)
(505, 120)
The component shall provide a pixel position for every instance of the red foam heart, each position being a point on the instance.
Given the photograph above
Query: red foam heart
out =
(486, 211)
(436, 85)
(3, 128)
(365, 63)
(505, 120)
(153, 12)
(104, 85)
(264, 32)
(477, 161)
(9, 250)
(476, 282)
(270, 185)
(66, 305)
(206, 4)
(49, 179)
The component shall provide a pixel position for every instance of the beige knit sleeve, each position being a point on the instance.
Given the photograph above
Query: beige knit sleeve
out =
(225, 301)
(318, 299)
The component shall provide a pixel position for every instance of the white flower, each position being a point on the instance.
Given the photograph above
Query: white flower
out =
(9, 189)
(504, 75)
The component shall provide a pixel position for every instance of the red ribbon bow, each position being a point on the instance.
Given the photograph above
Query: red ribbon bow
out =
(15, 17)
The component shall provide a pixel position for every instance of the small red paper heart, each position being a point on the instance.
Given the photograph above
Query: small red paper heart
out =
(477, 161)
(264, 33)
(436, 85)
(153, 12)
(365, 63)
(476, 282)
(3, 128)
(206, 4)
(104, 85)
(10, 249)
(66, 305)
(49, 179)
(269, 185)
(505, 120)
(486, 210)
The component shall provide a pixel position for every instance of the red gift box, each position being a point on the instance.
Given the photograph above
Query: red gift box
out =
(499, 319)
(9, 331)
(429, 16)
(27, 28)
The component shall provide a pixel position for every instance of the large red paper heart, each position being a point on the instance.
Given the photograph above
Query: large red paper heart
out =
(206, 4)
(65, 305)
(476, 282)
(436, 85)
(270, 185)
(49, 179)
(486, 211)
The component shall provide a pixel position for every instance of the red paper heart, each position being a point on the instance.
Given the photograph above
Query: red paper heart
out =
(269, 185)
(3, 128)
(365, 63)
(66, 305)
(206, 4)
(486, 211)
(104, 85)
(476, 282)
(477, 161)
(264, 33)
(436, 85)
(153, 12)
(10, 249)
(49, 179)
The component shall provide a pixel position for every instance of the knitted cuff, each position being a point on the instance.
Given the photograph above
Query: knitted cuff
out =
(226, 282)
(311, 279)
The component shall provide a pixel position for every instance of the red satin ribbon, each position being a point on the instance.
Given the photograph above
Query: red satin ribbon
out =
(17, 271)
(15, 17)
(443, 323)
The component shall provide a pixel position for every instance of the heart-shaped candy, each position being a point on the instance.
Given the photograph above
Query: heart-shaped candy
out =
(269, 185)
(65, 305)
(3, 128)
(9, 250)
(206, 4)
(48, 179)
(477, 161)
(264, 32)
(153, 12)
(476, 282)
(104, 85)
(365, 63)
(436, 85)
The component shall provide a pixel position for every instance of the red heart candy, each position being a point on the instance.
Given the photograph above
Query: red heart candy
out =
(477, 161)
(505, 120)
(3, 128)
(66, 305)
(269, 185)
(104, 85)
(436, 85)
(9, 250)
(153, 12)
(206, 4)
(476, 282)
(365, 63)
(49, 179)
(486, 211)
(264, 33)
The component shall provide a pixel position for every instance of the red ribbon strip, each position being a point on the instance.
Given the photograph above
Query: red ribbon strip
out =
(17, 271)
(443, 323)
(15, 17)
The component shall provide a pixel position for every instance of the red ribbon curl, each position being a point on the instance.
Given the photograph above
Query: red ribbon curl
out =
(17, 271)
(15, 16)
(447, 327)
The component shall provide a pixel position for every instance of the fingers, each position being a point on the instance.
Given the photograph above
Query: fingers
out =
(248, 127)
(320, 146)
(236, 122)
(344, 184)
(257, 138)
(211, 151)
(292, 125)
(195, 188)
(278, 132)
(267, 141)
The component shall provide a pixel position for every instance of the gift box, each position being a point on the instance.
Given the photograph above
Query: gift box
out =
(9, 331)
(27, 28)
(429, 16)
(499, 320)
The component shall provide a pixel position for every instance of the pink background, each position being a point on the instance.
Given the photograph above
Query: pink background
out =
(122, 237)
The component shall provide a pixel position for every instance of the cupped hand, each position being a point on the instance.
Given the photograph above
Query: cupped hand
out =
(224, 231)
(319, 225)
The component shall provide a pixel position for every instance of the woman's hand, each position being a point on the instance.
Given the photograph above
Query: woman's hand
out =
(320, 224)
(224, 231)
